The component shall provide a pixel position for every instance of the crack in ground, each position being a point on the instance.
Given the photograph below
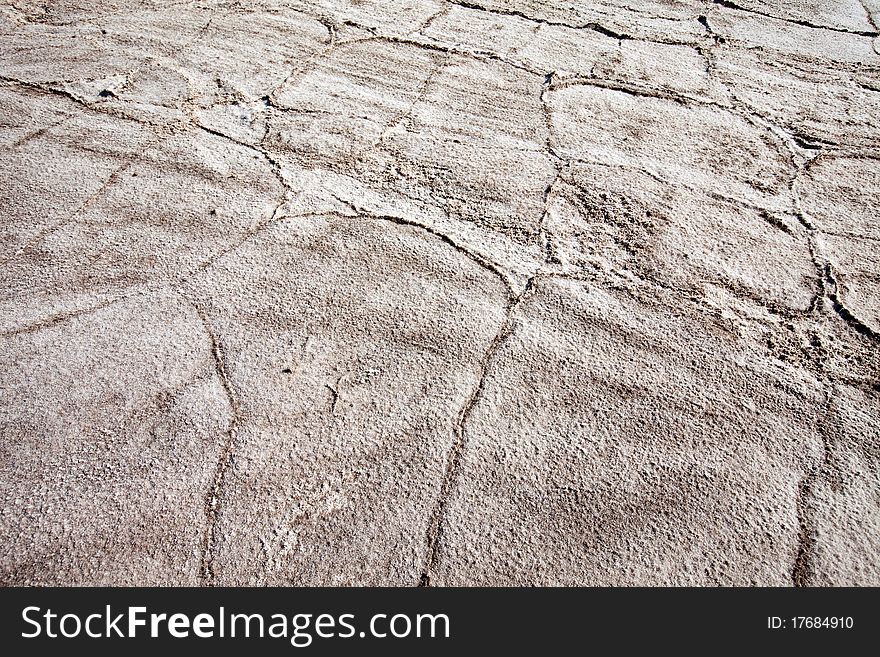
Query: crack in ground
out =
(421, 94)
(832, 291)
(39, 132)
(277, 171)
(593, 26)
(215, 493)
(482, 261)
(632, 90)
(803, 569)
(433, 17)
(727, 4)
(49, 89)
(849, 235)
(303, 68)
(72, 217)
(870, 16)
(829, 288)
(435, 525)
(545, 236)
(431, 44)
(60, 318)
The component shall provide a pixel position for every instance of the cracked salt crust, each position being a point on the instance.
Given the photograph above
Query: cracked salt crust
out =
(441, 292)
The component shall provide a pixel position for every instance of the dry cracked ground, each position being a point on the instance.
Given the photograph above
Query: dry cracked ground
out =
(444, 293)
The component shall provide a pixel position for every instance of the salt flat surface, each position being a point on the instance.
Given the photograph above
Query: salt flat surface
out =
(450, 293)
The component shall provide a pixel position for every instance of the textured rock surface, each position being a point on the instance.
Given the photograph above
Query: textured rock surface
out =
(485, 292)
